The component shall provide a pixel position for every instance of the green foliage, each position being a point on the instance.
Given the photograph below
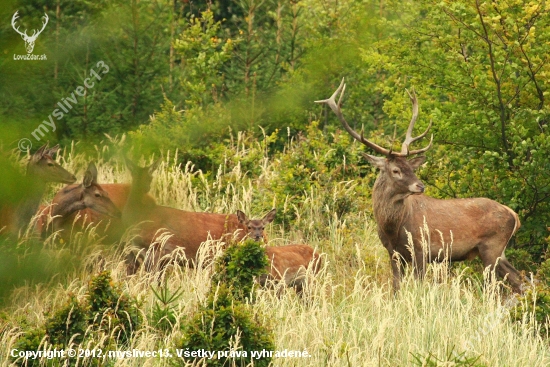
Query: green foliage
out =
(203, 54)
(111, 309)
(30, 340)
(225, 324)
(163, 316)
(451, 359)
(535, 306)
(105, 316)
(68, 325)
(240, 264)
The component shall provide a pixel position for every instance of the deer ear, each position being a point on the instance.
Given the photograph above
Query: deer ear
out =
(90, 176)
(379, 162)
(129, 164)
(269, 217)
(52, 150)
(417, 162)
(39, 153)
(241, 217)
(152, 168)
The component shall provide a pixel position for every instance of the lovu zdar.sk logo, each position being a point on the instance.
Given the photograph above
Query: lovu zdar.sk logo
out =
(29, 40)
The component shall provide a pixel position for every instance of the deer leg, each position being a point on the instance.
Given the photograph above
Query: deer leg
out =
(503, 268)
(514, 277)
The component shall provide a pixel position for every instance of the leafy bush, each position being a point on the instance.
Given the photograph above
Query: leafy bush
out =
(104, 309)
(68, 325)
(225, 324)
(535, 305)
(110, 308)
(240, 264)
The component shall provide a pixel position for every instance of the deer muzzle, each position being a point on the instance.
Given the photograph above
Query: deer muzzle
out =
(417, 188)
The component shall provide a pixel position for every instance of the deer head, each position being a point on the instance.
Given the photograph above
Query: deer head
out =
(142, 177)
(29, 40)
(94, 197)
(43, 167)
(256, 226)
(394, 167)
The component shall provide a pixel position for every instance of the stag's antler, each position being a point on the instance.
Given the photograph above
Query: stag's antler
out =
(408, 138)
(335, 107)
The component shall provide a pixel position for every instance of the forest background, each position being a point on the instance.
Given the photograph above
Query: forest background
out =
(186, 74)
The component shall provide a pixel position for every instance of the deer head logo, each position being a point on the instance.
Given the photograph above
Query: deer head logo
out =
(29, 40)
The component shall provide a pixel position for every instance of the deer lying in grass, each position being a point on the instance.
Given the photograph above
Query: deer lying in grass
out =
(479, 226)
(287, 264)
(41, 170)
(188, 230)
(71, 200)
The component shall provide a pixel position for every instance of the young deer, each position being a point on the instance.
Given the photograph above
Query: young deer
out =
(188, 230)
(255, 227)
(82, 199)
(286, 263)
(41, 170)
(469, 227)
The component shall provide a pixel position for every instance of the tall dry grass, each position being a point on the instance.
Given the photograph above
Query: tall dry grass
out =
(348, 315)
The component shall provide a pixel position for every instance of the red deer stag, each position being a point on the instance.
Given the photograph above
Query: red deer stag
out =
(77, 198)
(41, 170)
(286, 263)
(478, 226)
(188, 229)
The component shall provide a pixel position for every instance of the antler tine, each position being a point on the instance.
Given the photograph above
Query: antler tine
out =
(338, 112)
(13, 20)
(418, 151)
(408, 138)
(46, 19)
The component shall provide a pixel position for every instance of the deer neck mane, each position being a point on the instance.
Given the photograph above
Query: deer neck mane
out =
(390, 207)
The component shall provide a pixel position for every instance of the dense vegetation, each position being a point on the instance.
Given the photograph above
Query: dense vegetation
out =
(223, 91)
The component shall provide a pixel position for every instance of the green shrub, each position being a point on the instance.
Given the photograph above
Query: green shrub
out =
(104, 309)
(240, 264)
(30, 340)
(163, 316)
(535, 304)
(110, 308)
(68, 325)
(225, 323)
(219, 324)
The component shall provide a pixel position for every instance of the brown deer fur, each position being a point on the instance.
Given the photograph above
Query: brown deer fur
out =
(289, 264)
(479, 226)
(188, 229)
(286, 263)
(88, 196)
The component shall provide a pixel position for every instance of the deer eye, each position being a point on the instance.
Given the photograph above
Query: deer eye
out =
(249, 227)
(396, 171)
(97, 194)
